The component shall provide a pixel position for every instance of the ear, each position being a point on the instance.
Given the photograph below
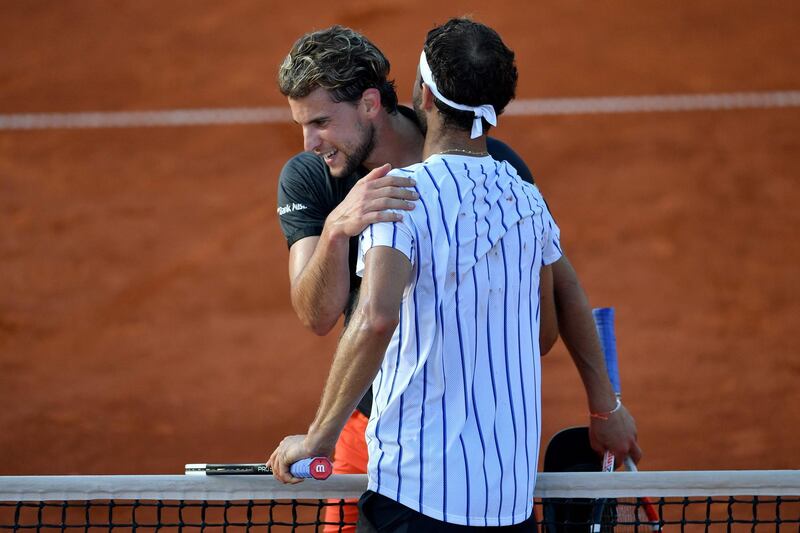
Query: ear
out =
(371, 102)
(427, 98)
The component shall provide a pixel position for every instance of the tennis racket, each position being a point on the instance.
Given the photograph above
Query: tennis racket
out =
(312, 467)
(625, 512)
(604, 322)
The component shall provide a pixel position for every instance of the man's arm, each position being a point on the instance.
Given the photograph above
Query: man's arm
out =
(618, 433)
(319, 272)
(548, 322)
(357, 360)
(319, 275)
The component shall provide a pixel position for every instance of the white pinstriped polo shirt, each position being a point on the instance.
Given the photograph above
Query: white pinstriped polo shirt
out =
(454, 431)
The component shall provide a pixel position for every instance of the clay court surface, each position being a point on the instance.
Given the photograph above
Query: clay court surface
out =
(144, 302)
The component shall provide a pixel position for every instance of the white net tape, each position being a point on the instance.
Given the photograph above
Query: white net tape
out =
(548, 485)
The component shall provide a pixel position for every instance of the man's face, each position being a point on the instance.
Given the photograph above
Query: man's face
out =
(336, 131)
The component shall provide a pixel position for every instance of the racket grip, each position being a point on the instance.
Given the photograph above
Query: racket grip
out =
(604, 322)
(312, 467)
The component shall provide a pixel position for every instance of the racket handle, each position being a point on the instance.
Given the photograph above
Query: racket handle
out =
(309, 468)
(604, 322)
(312, 467)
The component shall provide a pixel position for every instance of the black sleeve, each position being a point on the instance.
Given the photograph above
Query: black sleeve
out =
(303, 197)
(503, 152)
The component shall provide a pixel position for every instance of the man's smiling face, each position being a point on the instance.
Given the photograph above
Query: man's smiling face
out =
(336, 131)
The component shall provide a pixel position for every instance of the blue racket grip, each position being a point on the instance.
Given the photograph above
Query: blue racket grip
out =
(312, 467)
(604, 322)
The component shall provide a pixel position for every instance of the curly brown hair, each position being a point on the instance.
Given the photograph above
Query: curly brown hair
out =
(339, 60)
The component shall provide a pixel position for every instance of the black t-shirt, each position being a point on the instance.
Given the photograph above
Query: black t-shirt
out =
(307, 193)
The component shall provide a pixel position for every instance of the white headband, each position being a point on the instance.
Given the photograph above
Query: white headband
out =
(483, 111)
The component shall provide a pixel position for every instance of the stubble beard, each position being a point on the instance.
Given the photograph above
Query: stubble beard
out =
(421, 118)
(359, 155)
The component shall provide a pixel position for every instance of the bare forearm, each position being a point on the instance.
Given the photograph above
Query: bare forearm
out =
(358, 357)
(578, 332)
(356, 363)
(548, 330)
(321, 289)
(321, 276)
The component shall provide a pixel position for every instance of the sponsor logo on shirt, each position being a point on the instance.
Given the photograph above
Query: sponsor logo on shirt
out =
(288, 208)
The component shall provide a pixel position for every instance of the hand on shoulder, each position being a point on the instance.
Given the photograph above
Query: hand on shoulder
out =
(374, 198)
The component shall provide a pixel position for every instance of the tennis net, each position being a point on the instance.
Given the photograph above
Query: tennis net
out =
(564, 502)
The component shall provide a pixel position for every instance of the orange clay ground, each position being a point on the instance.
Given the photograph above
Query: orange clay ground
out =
(144, 309)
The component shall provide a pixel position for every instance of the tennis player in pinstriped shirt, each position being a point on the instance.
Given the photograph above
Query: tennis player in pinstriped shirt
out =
(459, 386)
(448, 320)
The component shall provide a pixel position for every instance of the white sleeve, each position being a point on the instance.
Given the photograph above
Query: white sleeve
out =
(397, 235)
(552, 239)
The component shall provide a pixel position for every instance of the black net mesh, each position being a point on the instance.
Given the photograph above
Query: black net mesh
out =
(171, 515)
(733, 513)
(555, 515)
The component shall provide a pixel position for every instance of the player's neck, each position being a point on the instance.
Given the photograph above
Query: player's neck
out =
(398, 142)
(451, 141)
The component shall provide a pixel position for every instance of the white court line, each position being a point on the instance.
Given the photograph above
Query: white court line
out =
(280, 115)
(136, 119)
(649, 104)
